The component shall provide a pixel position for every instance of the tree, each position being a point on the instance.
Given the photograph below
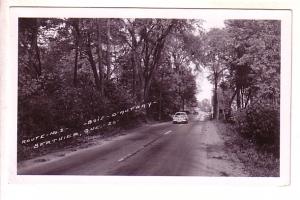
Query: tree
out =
(28, 45)
(205, 105)
(255, 59)
(153, 41)
(72, 70)
(77, 38)
(215, 51)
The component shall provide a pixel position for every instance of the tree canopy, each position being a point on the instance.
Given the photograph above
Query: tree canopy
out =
(74, 69)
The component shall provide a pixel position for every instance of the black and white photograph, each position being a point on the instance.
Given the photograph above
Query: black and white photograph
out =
(182, 101)
(149, 97)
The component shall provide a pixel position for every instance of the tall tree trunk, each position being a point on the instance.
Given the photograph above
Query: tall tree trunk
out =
(37, 51)
(92, 63)
(75, 64)
(147, 89)
(100, 59)
(160, 97)
(238, 98)
(136, 83)
(242, 97)
(134, 77)
(75, 24)
(215, 99)
(230, 103)
(108, 69)
(151, 67)
(36, 61)
(248, 98)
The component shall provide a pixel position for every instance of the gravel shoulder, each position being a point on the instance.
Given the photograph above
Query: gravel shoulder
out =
(219, 157)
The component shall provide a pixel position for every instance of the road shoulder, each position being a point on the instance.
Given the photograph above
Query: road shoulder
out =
(256, 163)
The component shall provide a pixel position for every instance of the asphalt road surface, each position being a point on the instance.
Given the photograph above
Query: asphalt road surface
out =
(164, 149)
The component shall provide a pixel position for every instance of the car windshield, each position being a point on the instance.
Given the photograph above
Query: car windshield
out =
(181, 113)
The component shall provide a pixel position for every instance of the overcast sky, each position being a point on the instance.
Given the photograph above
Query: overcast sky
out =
(203, 84)
(215, 22)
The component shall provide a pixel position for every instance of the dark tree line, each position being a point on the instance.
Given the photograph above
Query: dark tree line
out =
(73, 69)
(244, 61)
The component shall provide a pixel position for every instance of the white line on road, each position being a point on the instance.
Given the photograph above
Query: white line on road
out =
(125, 157)
(129, 155)
(168, 132)
(144, 146)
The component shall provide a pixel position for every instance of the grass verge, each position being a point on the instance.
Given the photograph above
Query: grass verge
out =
(258, 160)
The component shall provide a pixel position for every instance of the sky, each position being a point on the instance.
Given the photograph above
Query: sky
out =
(215, 22)
(203, 85)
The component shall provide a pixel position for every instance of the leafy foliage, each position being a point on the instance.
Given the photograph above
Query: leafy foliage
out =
(205, 106)
(72, 70)
(260, 124)
(244, 64)
(255, 66)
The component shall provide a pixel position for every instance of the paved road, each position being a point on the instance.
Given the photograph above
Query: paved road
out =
(165, 149)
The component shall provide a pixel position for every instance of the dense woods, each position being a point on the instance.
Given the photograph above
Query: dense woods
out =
(72, 70)
(244, 61)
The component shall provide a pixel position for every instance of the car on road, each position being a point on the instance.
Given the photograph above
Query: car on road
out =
(180, 117)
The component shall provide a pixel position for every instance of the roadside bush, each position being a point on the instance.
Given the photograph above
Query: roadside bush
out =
(261, 124)
(44, 108)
